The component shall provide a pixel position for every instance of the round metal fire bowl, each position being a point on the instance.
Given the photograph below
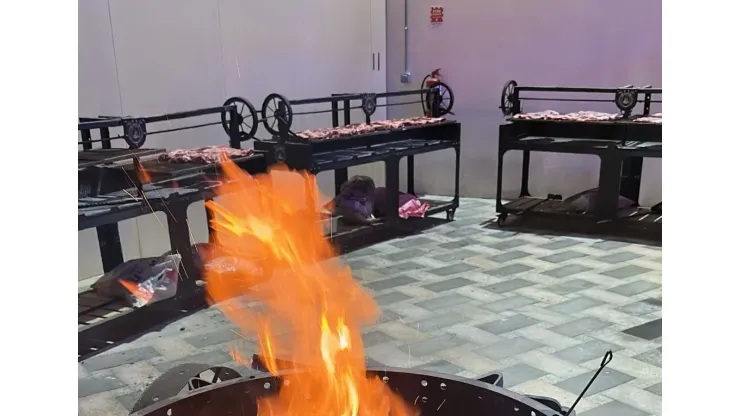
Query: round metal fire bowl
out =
(433, 394)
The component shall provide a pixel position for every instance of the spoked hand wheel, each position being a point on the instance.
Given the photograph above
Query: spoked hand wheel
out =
(507, 98)
(445, 96)
(246, 117)
(271, 112)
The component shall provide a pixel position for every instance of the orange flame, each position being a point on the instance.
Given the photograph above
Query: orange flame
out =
(142, 174)
(140, 295)
(311, 308)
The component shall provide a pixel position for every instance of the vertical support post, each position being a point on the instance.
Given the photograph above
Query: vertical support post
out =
(517, 104)
(86, 139)
(526, 154)
(392, 189)
(631, 177)
(410, 175)
(334, 114)
(500, 178)
(105, 137)
(283, 131)
(109, 241)
(457, 173)
(434, 105)
(347, 112)
(609, 182)
(179, 233)
(341, 175)
(234, 139)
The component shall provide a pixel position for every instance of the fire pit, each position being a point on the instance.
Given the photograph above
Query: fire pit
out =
(184, 391)
(430, 393)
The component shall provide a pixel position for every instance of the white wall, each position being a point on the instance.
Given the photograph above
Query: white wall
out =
(143, 57)
(483, 44)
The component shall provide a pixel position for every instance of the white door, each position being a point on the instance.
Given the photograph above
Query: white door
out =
(377, 81)
(377, 28)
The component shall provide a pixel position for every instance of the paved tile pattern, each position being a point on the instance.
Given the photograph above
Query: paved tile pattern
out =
(465, 299)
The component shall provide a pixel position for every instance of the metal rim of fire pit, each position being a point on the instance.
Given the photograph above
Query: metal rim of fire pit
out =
(428, 392)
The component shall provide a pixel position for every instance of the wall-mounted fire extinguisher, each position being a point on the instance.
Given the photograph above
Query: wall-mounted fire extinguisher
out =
(445, 97)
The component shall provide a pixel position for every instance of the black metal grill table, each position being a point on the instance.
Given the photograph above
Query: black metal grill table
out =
(388, 146)
(621, 143)
(112, 188)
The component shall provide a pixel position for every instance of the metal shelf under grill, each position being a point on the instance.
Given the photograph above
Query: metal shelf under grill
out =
(629, 219)
(103, 322)
(93, 308)
(344, 230)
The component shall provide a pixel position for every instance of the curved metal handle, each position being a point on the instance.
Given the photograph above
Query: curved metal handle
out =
(607, 359)
(494, 378)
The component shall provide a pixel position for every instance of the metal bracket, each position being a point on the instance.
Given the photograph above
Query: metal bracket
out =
(279, 154)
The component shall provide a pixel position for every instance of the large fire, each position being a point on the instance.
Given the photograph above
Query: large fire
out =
(311, 308)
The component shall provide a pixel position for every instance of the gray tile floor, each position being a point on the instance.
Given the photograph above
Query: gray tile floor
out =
(466, 300)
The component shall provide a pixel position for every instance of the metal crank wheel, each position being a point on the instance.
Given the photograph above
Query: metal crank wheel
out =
(246, 117)
(134, 132)
(271, 112)
(181, 377)
(626, 100)
(507, 98)
(445, 96)
(369, 104)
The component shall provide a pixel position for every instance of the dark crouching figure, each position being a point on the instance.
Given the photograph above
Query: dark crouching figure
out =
(356, 200)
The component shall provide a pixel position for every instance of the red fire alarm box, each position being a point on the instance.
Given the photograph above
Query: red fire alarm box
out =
(437, 14)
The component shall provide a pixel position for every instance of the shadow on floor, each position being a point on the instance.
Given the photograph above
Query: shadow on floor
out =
(576, 229)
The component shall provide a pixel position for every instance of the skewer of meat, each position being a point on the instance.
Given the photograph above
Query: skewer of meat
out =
(359, 129)
(204, 155)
